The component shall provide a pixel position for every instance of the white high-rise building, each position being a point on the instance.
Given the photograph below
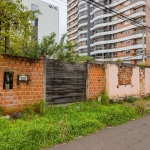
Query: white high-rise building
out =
(46, 22)
(101, 33)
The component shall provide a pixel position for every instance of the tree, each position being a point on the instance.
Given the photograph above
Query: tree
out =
(64, 50)
(16, 28)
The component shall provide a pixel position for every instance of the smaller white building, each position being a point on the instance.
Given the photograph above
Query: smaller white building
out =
(48, 21)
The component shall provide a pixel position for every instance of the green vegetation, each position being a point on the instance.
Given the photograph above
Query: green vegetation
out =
(64, 50)
(143, 64)
(45, 127)
(120, 60)
(16, 28)
(17, 35)
(131, 99)
(140, 107)
(105, 98)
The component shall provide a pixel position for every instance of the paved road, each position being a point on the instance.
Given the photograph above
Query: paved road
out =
(134, 135)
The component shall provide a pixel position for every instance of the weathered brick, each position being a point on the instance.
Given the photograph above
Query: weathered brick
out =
(21, 94)
(96, 80)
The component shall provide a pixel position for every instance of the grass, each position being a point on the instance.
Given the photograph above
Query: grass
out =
(59, 124)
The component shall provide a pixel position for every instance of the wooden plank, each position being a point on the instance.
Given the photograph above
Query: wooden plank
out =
(65, 100)
(65, 82)
(64, 91)
(65, 86)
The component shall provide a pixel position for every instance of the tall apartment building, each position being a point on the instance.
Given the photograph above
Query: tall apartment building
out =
(46, 22)
(103, 35)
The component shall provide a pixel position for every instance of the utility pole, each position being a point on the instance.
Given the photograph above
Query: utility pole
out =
(143, 57)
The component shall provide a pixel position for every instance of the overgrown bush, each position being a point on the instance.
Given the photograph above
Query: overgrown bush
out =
(120, 60)
(131, 99)
(140, 107)
(104, 98)
(37, 108)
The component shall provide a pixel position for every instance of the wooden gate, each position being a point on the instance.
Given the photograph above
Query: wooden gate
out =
(65, 82)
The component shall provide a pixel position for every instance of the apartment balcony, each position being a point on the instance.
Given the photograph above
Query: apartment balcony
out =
(134, 1)
(82, 51)
(138, 42)
(98, 48)
(137, 53)
(114, 1)
(138, 32)
(97, 40)
(98, 14)
(96, 23)
(72, 12)
(82, 38)
(139, 21)
(82, 14)
(82, 7)
(69, 7)
(138, 11)
(82, 23)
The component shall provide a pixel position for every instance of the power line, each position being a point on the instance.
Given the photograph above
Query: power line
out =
(91, 2)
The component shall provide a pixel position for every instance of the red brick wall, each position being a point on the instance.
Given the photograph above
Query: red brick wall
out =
(124, 75)
(22, 94)
(96, 80)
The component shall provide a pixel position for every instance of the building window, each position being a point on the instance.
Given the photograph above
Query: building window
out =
(128, 52)
(127, 31)
(114, 18)
(115, 54)
(35, 23)
(127, 41)
(127, 61)
(115, 36)
(127, 12)
(127, 2)
(127, 22)
(115, 27)
(35, 8)
(114, 45)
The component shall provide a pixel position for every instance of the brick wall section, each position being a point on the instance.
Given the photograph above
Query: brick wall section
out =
(124, 75)
(22, 94)
(142, 81)
(96, 80)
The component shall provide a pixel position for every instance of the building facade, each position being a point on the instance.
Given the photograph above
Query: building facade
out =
(46, 22)
(101, 33)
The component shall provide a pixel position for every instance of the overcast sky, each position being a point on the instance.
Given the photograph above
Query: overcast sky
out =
(62, 14)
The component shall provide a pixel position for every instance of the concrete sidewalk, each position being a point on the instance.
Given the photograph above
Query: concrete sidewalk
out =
(134, 135)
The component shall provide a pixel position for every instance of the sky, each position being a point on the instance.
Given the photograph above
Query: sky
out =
(62, 14)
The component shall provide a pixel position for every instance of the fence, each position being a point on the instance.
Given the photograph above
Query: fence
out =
(24, 81)
(65, 82)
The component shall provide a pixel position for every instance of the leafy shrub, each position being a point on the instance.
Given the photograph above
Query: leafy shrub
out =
(37, 108)
(105, 98)
(143, 64)
(140, 107)
(131, 99)
(120, 60)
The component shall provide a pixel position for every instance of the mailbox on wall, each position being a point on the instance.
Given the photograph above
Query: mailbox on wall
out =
(22, 78)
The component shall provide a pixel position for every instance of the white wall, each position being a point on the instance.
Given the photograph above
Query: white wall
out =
(48, 20)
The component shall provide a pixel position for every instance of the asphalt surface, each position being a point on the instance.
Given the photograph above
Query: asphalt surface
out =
(134, 135)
